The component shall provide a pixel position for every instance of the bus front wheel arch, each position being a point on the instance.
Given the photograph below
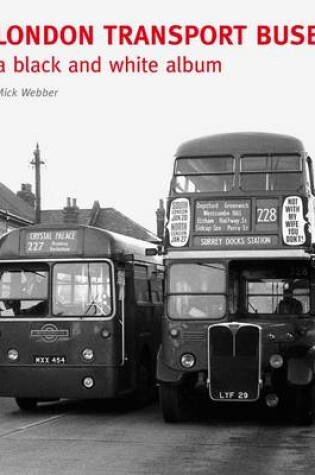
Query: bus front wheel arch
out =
(26, 404)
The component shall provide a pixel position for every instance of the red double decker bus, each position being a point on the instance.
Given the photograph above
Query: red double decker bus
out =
(239, 320)
(80, 314)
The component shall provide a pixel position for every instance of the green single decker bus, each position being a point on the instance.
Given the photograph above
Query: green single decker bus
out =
(80, 314)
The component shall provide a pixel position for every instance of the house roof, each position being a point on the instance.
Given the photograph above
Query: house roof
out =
(56, 216)
(15, 206)
(104, 218)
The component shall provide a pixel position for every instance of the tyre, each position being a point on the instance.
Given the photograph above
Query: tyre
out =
(26, 404)
(143, 393)
(302, 406)
(171, 402)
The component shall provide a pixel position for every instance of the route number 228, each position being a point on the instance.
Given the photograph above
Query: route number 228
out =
(267, 215)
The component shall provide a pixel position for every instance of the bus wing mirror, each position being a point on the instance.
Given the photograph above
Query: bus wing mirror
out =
(152, 251)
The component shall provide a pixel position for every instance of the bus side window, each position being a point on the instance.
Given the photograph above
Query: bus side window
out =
(234, 293)
(156, 285)
(310, 175)
(142, 288)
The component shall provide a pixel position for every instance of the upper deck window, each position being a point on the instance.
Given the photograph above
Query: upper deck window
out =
(279, 173)
(201, 174)
(23, 290)
(197, 290)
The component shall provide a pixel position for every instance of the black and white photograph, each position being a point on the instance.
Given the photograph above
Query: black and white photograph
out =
(157, 237)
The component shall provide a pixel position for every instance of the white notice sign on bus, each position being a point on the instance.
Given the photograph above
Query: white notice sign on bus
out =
(179, 222)
(293, 222)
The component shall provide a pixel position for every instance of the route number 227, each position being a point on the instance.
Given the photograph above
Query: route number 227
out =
(35, 246)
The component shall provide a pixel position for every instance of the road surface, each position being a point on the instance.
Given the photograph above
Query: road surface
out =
(101, 438)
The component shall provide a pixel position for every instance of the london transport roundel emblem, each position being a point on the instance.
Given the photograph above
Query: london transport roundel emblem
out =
(49, 333)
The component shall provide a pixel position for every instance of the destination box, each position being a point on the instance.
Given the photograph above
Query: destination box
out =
(51, 242)
(223, 216)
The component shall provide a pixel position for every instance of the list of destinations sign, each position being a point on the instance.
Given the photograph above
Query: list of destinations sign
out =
(52, 242)
(238, 223)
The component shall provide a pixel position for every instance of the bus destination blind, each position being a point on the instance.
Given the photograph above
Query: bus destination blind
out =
(231, 224)
(51, 242)
(223, 216)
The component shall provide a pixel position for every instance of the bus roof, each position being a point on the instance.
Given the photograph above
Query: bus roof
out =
(242, 142)
(68, 241)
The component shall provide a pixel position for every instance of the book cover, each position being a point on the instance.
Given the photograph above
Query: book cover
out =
(95, 98)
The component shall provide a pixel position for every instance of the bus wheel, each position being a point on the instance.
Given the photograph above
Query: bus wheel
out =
(143, 393)
(171, 402)
(26, 404)
(302, 405)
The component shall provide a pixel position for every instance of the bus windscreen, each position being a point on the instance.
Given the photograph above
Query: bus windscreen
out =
(78, 289)
(274, 291)
(82, 289)
(23, 290)
(197, 290)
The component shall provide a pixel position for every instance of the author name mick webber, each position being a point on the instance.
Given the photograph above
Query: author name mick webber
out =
(27, 92)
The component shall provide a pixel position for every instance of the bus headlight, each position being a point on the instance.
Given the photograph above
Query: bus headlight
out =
(88, 354)
(188, 360)
(174, 332)
(105, 333)
(276, 361)
(13, 355)
(88, 382)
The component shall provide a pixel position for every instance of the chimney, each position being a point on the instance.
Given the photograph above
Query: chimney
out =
(71, 212)
(160, 217)
(26, 194)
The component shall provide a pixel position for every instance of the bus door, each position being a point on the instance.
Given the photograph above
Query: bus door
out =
(129, 312)
(140, 301)
(143, 298)
(121, 313)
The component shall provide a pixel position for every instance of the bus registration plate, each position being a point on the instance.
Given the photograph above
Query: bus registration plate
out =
(49, 360)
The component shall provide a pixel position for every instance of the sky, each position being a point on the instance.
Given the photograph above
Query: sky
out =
(112, 137)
